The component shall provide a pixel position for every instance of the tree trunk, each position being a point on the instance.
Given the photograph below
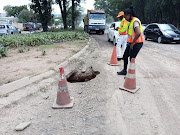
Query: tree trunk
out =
(65, 14)
(142, 5)
(60, 5)
(73, 16)
(44, 25)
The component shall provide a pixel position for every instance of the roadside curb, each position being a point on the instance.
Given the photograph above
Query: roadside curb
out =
(15, 85)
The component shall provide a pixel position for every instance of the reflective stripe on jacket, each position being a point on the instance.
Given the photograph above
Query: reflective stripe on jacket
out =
(132, 33)
(123, 30)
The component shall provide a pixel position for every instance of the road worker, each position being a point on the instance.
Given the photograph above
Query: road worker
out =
(122, 40)
(135, 38)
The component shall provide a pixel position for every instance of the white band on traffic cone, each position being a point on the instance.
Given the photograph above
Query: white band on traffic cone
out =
(132, 66)
(62, 89)
(131, 76)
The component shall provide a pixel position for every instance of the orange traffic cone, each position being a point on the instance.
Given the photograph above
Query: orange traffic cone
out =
(63, 99)
(130, 81)
(114, 58)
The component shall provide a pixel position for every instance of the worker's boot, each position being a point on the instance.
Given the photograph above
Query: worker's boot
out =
(123, 72)
(119, 59)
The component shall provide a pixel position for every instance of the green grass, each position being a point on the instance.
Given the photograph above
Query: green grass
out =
(78, 29)
(37, 39)
(48, 46)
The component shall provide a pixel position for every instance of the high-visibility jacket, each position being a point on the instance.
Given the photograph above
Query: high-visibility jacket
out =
(132, 33)
(123, 29)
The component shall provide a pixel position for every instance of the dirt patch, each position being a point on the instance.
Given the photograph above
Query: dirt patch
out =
(36, 60)
(82, 75)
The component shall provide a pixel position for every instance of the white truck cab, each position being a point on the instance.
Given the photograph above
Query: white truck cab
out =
(95, 20)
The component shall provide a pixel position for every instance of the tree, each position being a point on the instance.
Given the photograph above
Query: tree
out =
(24, 16)
(148, 11)
(14, 10)
(43, 9)
(75, 13)
(77, 16)
(109, 19)
(63, 8)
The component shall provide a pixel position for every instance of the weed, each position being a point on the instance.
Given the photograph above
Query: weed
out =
(43, 52)
(21, 50)
(74, 51)
(30, 94)
(43, 89)
(3, 51)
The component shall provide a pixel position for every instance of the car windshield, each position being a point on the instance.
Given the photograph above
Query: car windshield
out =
(167, 27)
(118, 24)
(97, 16)
(144, 25)
(2, 26)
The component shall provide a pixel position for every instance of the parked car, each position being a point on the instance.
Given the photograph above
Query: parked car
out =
(14, 30)
(6, 29)
(144, 26)
(162, 33)
(112, 33)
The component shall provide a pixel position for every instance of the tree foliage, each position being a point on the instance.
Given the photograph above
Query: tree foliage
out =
(76, 16)
(43, 9)
(14, 10)
(148, 11)
(24, 16)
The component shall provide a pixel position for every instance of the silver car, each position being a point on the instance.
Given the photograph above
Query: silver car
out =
(6, 29)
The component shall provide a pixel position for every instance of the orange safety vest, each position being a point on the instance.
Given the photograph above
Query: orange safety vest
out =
(123, 30)
(132, 33)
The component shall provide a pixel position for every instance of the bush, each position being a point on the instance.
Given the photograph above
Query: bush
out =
(3, 51)
(34, 39)
(78, 29)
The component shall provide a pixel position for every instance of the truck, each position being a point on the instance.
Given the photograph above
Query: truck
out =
(95, 20)
(29, 26)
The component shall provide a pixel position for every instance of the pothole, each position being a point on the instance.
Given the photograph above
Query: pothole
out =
(78, 75)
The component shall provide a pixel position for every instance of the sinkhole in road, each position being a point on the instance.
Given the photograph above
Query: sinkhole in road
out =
(78, 75)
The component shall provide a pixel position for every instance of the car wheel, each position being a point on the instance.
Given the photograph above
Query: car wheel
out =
(177, 42)
(159, 39)
(145, 37)
(114, 41)
(103, 32)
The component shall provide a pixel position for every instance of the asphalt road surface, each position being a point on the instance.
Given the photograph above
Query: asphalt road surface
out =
(100, 107)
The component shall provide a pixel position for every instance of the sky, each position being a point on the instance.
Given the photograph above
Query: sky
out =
(86, 5)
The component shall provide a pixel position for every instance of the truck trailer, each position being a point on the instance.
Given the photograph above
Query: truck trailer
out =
(95, 20)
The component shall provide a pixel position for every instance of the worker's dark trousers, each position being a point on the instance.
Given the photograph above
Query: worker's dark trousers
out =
(131, 52)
